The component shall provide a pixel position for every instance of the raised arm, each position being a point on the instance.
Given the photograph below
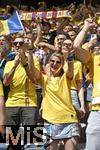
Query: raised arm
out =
(39, 33)
(83, 54)
(79, 40)
(49, 46)
(81, 98)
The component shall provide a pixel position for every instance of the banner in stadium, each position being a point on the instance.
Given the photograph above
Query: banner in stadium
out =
(45, 15)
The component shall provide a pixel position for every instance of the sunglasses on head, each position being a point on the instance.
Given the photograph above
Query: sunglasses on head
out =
(19, 43)
(57, 62)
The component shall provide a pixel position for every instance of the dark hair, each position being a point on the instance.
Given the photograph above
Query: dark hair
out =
(63, 33)
(46, 23)
(11, 9)
(7, 37)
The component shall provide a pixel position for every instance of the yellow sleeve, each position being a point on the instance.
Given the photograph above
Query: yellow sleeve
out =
(85, 46)
(90, 67)
(36, 63)
(7, 68)
(1, 89)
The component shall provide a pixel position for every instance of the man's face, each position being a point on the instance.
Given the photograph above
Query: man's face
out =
(67, 46)
(18, 43)
(67, 29)
(4, 46)
(60, 40)
(72, 35)
(96, 49)
(46, 28)
(4, 41)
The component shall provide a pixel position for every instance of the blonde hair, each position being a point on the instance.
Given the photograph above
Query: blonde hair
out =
(60, 56)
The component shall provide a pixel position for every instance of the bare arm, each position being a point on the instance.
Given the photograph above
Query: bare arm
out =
(81, 97)
(49, 46)
(79, 40)
(82, 54)
(39, 33)
(70, 71)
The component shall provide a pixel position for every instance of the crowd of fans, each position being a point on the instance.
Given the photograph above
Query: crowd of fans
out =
(49, 75)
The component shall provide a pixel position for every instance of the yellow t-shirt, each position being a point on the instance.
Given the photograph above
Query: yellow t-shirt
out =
(77, 73)
(57, 105)
(1, 89)
(96, 79)
(22, 90)
(85, 46)
(89, 77)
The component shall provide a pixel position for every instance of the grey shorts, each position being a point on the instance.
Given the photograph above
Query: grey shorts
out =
(93, 131)
(61, 131)
(21, 115)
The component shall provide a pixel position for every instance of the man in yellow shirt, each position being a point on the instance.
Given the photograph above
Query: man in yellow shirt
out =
(22, 102)
(93, 128)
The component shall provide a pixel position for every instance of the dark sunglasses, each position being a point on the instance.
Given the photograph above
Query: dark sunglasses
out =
(72, 35)
(67, 44)
(18, 43)
(57, 62)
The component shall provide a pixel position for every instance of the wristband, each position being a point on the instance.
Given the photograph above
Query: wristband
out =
(70, 58)
(30, 49)
(26, 65)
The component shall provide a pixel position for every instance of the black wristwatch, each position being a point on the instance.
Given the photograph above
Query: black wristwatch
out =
(26, 65)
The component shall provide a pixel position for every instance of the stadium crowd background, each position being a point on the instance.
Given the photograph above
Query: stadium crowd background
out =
(49, 29)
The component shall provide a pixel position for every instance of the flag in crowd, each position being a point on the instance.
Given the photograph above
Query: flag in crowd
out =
(11, 25)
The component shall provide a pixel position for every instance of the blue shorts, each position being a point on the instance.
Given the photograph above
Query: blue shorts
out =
(61, 131)
(75, 99)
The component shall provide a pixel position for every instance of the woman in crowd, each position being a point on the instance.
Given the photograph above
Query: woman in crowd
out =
(57, 110)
